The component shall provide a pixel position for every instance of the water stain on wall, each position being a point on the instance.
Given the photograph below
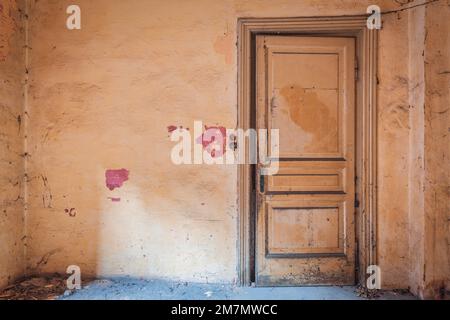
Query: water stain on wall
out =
(308, 112)
(224, 46)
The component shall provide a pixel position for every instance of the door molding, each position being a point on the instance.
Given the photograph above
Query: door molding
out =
(366, 126)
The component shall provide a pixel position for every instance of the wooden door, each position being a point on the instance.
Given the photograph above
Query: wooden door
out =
(305, 231)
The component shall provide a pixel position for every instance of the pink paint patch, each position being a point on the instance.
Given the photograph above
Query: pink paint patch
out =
(114, 199)
(116, 177)
(172, 128)
(214, 141)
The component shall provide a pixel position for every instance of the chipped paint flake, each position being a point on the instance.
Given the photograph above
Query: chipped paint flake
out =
(171, 128)
(116, 177)
(214, 140)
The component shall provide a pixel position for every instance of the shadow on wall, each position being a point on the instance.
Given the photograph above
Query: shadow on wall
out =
(101, 220)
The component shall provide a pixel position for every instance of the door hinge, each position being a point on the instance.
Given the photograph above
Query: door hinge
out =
(356, 70)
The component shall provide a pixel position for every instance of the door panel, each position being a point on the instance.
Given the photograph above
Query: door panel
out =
(304, 228)
(308, 176)
(305, 212)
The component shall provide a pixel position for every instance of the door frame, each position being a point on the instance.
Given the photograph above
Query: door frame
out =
(366, 128)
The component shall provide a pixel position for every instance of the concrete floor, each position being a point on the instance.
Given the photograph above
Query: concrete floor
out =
(135, 289)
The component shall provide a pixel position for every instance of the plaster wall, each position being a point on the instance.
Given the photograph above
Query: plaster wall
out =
(430, 148)
(437, 152)
(416, 164)
(12, 70)
(102, 99)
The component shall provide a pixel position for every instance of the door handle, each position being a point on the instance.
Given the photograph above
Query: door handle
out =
(261, 183)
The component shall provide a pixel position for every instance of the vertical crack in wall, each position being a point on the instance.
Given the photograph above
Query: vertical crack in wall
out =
(25, 17)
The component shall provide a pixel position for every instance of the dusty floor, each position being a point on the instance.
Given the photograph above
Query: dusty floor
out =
(53, 287)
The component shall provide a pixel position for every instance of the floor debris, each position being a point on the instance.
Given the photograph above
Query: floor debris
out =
(370, 293)
(53, 287)
(376, 294)
(35, 288)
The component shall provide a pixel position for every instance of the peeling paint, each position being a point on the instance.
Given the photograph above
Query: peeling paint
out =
(171, 128)
(214, 140)
(79, 88)
(115, 178)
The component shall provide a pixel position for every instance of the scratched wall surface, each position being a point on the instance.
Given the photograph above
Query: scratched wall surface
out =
(393, 150)
(437, 152)
(430, 151)
(103, 193)
(12, 67)
(416, 165)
